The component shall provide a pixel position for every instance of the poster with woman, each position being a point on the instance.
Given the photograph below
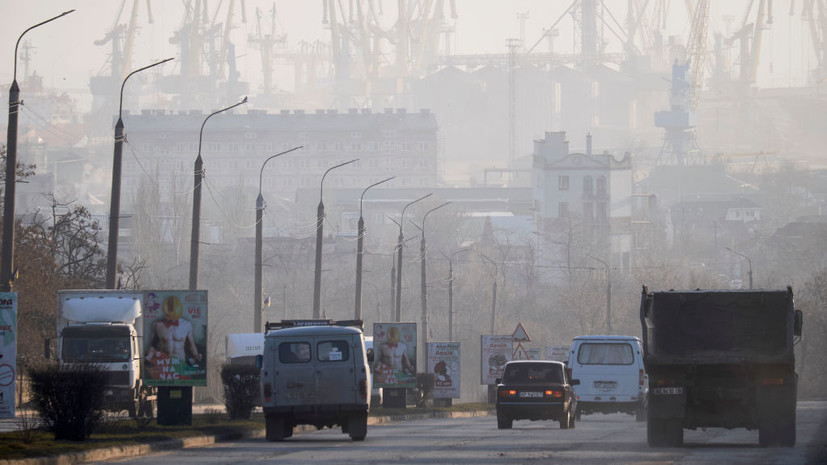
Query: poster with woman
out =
(175, 338)
(394, 364)
(8, 352)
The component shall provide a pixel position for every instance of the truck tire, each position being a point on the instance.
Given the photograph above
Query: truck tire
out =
(673, 429)
(357, 427)
(640, 412)
(274, 427)
(132, 408)
(767, 433)
(786, 430)
(654, 433)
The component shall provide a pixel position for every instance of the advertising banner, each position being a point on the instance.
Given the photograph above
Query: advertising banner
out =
(175, 338)
(558, 353)
(533, 353)
(8, 352)
(394, 364)
(496, 351)
(444, 363)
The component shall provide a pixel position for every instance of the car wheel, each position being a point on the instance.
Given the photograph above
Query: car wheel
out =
(565, 422)
(572, 422)
(504, 423)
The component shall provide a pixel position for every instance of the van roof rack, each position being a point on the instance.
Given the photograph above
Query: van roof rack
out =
(268, 326)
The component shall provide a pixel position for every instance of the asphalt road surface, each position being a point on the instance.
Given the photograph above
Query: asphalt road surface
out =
(616, 439)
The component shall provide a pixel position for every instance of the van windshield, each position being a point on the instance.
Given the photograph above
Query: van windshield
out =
(605, 354)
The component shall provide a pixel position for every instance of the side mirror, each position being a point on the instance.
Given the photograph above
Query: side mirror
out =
(370, 355)
(498, 380)
(798, 323)
(575, 382)
(568, 373)
(259, 361)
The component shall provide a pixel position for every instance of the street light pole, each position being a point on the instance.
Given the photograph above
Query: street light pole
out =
(749, 263)
(399, 245)
(608, 294)
(493, 292)
(115, 200)
(423, 283)
(451, 292)
(6, 271)
(259, 237)
(360, 243)
(198, 174)
(317, 279)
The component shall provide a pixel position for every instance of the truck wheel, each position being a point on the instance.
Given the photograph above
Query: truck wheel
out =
(786, 430)
(504, 423)
(654, 433)
(132, 408)
(274, 427)
(674, 432)
(357, 426)
(766, 433)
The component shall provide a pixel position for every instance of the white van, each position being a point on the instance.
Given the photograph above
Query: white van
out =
(611, 375)
(376, 392)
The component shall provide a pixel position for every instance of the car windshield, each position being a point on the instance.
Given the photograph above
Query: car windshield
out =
(533, 374)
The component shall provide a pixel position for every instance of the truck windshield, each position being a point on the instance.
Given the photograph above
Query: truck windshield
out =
(92, 350)
(605, 354)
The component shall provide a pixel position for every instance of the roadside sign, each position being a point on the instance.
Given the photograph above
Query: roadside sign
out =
(8, 352)
(496, 351)
(519, 353)
(520, 334)
(559, 353)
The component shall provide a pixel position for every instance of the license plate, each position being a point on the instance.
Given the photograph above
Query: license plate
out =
(669, 390)
(605, 384)
(531, 394)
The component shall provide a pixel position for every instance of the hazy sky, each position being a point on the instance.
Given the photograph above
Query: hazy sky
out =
(66, 56)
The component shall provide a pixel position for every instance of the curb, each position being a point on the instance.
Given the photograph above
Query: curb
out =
(199, 441)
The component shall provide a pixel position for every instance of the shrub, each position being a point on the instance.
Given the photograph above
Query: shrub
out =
(241, 390)
(69, 400)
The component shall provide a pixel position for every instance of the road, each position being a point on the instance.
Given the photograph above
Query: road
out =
(615, 439)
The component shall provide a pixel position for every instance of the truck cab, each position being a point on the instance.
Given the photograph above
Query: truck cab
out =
(315, 372)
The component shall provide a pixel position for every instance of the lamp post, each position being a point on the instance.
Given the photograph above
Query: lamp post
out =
(360, 242)
(423, 283)
(6, 273)
(399, 245)
(493, 292)
(749, 263)
(115, 201)
(198, 172)
(259, 233)
(451, 292)
(317, 278)
(608, 294)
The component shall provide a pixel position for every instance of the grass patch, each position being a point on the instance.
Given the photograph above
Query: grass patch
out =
(124, 433)
(118, 431)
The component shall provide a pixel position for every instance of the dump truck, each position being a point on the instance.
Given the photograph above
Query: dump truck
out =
(104, 328)
(720, 358)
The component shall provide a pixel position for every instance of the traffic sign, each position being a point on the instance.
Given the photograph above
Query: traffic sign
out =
(520, 334)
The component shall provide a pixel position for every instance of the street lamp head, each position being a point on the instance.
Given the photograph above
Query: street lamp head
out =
(261, 171)
(321, 184)
(201, 133)
(361, 198)
(29, 29)
(120, 105)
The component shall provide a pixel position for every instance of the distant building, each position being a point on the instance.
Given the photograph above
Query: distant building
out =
(582, 201)
(163, 147)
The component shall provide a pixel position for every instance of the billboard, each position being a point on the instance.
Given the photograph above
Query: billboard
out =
(175, 338)
(394, 363)
(558, 353)
(444, 363)
(496, 351)
(8, 352)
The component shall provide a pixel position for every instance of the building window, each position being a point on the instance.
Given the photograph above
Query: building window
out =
(563, 209)
(250, 135)
(601, 211)
(588, 211)
(588, 189)
(601, 186)
(389, 133)
(356, 135)
(563, 183)
(373, 146)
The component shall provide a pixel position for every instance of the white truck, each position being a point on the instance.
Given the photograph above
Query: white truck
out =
(104, 328)
(242, 348)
